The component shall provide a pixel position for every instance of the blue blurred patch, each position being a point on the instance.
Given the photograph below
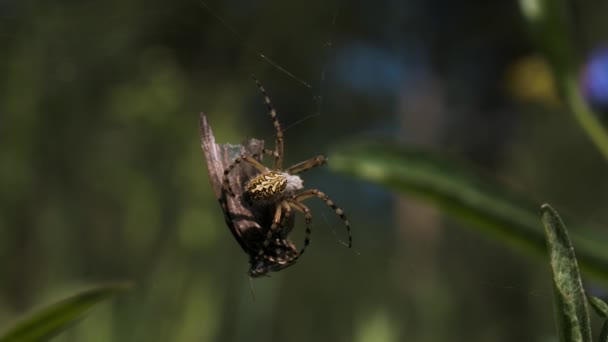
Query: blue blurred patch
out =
(369, 70)
(594, 79)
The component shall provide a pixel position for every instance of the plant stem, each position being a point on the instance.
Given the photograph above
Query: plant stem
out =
(586, 118)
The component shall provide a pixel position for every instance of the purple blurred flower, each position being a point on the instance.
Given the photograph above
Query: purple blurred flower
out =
(594, 79)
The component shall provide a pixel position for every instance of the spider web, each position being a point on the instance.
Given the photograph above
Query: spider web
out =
(316, 97)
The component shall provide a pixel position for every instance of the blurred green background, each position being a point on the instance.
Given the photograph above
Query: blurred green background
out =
(102, 177)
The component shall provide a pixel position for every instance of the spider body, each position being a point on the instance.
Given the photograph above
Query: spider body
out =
(284, 190)
(271, 186)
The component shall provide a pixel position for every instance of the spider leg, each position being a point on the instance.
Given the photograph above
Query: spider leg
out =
(278, 222)
(314, 192)
(308, 218)
(242, 158)
(307, 165)
(278, 161)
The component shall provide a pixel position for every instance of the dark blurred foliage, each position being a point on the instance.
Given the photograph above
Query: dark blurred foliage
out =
(102, 178)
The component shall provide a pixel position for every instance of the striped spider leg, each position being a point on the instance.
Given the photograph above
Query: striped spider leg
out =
(282, 189)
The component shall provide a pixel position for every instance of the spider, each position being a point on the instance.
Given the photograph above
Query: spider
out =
(249, 225)
(282, 189)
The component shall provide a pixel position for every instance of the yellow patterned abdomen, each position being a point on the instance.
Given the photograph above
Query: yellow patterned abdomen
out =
(266, 187)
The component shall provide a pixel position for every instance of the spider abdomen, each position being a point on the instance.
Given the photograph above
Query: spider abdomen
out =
(271, 185)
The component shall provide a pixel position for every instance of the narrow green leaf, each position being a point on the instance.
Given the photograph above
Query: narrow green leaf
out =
(461, 193)
(47, 322)
(600, 307)
(571, 311)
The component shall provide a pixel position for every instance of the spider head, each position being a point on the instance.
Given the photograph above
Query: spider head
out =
(269, 186)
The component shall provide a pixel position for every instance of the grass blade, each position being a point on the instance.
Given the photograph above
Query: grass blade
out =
(571, 312)
(461, 193)
(47, 322)
(600, 307)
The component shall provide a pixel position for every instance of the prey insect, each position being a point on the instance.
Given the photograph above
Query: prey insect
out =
(281, 190)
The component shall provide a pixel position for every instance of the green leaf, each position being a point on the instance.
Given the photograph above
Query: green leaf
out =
(461, 193)
(549, 21)
(571, 311)
(600, 307)
(47, 322)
